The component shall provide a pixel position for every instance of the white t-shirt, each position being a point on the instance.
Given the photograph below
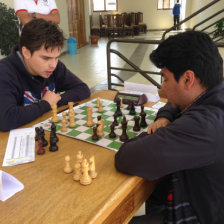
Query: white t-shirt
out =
(38, 6)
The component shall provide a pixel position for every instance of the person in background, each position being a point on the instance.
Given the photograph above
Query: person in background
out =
(32, 78)
(27, 10)
(184, 146)
(176, 13)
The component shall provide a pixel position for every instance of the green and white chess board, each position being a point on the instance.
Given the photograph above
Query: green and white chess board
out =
(84, 133)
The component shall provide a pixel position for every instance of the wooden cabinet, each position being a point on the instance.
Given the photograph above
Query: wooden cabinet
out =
(76, 20)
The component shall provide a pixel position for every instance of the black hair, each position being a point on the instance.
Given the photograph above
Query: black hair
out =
(191, 50)
(40, 32)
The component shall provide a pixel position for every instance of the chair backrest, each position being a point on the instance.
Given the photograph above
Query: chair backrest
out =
(140, 17)
(134, 18)
(110, 20)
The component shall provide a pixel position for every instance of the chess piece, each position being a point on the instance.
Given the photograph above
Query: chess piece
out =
(55, 118)
(53, 147)
(85, 178)
(67, 168)
(100, 128)
(42, 134)
(124, 137)
(118, 111)
(129, 105)
(64, 129)
(72, 123)
(98, 102)
(121, 102)
(77, 172)
(92, 167)
(136, 126)
(79, 157)
(40, 150)
(37, 130)
(112, 133)
(95, 136)
(143, 122)
(64, 117)
(89, 122)
(53, 132)
(100, 109)
(115, 122)
(132, 109)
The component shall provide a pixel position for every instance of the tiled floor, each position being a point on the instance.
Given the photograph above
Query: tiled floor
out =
(90, 63)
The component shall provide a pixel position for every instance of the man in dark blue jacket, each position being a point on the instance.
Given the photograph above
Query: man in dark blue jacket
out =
(185, 144)
(32, 77)
(176, 13)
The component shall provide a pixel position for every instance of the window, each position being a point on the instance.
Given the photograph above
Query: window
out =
(104, 5)
(166, 4)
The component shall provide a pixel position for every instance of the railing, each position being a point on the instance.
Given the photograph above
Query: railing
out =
(134, 67)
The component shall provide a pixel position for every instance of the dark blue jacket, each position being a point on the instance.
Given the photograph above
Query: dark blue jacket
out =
(193, 143)
(176, 9)
(21, 93)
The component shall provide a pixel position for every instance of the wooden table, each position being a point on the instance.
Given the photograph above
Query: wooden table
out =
(50, 196)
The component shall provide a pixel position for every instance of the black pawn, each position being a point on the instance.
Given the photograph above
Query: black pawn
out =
(115, 122)
(124, 137)
(118, 111)
(136, 126)
(132, 109)
(112, 133)
(53, 147)
(53, 132)
(95, 136)
(42, 134)
(143, 122)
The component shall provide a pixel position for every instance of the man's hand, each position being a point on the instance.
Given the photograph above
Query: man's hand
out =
(161, 122)
(51, 97)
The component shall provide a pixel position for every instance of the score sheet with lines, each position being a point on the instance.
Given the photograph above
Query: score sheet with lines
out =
(21, 147)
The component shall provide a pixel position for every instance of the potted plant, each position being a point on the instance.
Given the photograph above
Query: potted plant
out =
(94, 39)
(219, 29)
(9, 29)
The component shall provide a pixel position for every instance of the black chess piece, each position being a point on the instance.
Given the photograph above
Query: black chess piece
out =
(53, 147)
(53, 132)
(37, 130)
(115, 122)
(124, 122)
(98, 117)
(40, 150)
(42, 134)
(112, 133)
(95, 136)
(129, 104)
(136, 126)
(132, 109)
(124, 137)
(143, 122)
(118, 111)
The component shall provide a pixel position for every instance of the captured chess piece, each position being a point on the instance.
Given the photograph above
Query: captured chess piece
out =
(67, 168)
(77, 171)
(53, 144)
(132, 109)
(79, 157)
(37, 130)
(40, 150)
(53, 132)
(42, 134)
(136, 126)
(92, 167)
(85, 178)
(112, 133)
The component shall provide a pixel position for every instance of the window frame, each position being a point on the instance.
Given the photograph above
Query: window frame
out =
(163, 5)
(105, 7)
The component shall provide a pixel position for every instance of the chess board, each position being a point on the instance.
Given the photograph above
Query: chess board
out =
(84, 133)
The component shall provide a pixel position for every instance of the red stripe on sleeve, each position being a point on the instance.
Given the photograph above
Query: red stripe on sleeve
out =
(21, 10)
(53, 10)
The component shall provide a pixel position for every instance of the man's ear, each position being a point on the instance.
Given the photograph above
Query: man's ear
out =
(188, 78)
(26, 52)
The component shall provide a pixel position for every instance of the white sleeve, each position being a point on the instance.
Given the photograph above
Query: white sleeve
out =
(52, 5)
(19, 5)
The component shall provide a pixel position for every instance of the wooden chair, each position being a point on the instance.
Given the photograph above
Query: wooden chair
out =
(142, 25)
(134, 22)
(94, 29)
(102, 26)
(128, 29)
(110, 25)
(118, 25)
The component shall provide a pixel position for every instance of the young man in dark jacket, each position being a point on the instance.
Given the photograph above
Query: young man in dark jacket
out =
(32, 77)
(185, 144)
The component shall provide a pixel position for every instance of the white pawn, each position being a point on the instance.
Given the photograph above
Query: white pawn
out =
(85, 178)
(92, 168)
(77, 171)
(79, 156)
(67, 168)
(98, 102)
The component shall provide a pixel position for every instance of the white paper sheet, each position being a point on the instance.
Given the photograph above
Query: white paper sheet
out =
(9, 185)
(150, 91)
(21, 147)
